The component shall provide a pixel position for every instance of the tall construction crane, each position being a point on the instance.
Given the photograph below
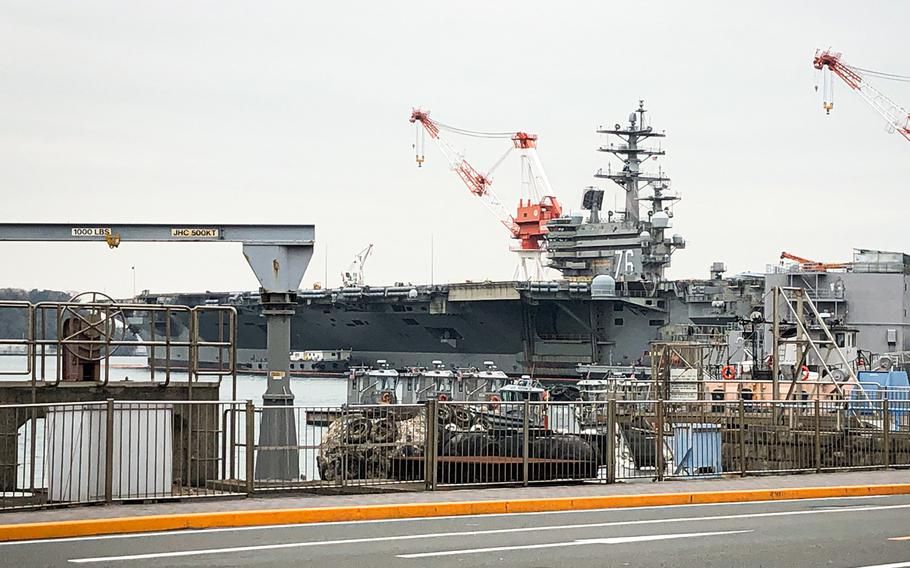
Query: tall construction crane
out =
(830, 63)
(529, 224)
(812, 265)
(353, 275)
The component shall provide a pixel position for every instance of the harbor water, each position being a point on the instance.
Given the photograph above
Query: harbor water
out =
(308, 391)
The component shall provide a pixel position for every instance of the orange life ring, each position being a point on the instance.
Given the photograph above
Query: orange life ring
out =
(805, 371)
(545, 396)
(494, 402)
(728, 372)
(442, 397)
(386, 398)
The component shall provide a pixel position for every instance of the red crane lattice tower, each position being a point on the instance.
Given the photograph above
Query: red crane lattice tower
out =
(529, 224)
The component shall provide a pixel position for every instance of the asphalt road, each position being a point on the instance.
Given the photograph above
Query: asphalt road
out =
(834, 533)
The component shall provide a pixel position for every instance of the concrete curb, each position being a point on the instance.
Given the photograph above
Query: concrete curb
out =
(93, 527)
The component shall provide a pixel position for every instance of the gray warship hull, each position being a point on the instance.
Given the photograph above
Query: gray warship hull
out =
(540, 328)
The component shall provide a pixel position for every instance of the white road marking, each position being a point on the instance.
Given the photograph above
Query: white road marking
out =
(207, 551)
(895, 565)
(582, 542)
(192, 532)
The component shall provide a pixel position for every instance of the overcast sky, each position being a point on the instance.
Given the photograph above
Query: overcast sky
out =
(296, 112)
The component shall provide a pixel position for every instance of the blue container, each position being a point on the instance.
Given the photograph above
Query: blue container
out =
(696, 448)
(881, 385)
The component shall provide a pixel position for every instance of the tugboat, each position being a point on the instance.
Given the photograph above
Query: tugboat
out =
(511, 412)
(416, 385)
(374, 386)
(436, 382)
(481, 385)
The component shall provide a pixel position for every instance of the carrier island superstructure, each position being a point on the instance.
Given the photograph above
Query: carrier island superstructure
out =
(613, 300)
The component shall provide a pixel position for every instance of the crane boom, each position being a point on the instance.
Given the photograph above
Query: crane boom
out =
(477, 183)
(812, 265)
(528, 225)
(896, 116)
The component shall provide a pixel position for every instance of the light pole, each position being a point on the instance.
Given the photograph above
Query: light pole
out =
(133, 268)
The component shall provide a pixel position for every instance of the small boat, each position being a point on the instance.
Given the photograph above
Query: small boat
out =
(508, 408)
(373, 386)
(474, 384)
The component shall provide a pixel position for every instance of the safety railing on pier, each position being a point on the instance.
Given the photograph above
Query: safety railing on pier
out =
(507, 442)
(74, 341)
(340, 447)
(86, 452)
(69, 453)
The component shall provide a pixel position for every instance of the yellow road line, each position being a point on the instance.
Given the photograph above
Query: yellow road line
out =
(89, 527)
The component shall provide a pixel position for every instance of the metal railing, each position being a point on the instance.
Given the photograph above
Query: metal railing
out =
(64, 453)
(508, 442)
(24, 310)
(74, 341)
(69, 453)
(349, 446)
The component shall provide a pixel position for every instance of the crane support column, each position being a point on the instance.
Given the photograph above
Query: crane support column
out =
(279, 269)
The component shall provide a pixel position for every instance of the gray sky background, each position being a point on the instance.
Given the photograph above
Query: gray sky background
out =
(296, 112)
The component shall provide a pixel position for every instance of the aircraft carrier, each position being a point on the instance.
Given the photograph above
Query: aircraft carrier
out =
(613, 300)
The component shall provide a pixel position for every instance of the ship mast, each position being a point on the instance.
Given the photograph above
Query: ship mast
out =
(630, 151)
(657, 246)
(624, 246)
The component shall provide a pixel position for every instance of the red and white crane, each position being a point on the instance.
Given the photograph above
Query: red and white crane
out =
(529, 224)
(857, 78)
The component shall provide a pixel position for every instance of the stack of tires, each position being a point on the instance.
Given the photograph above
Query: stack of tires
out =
(459, 417)
(372, 445)
(357, 447)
